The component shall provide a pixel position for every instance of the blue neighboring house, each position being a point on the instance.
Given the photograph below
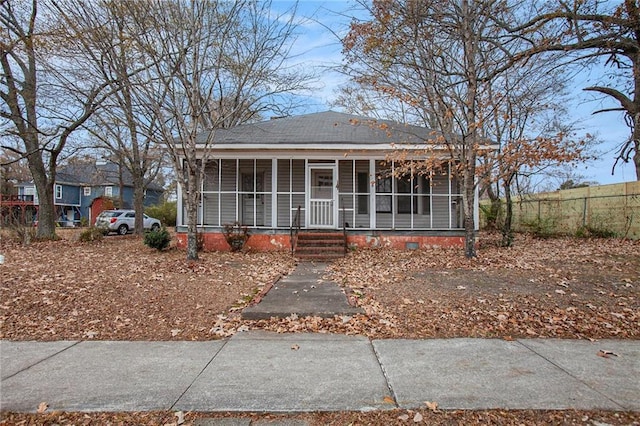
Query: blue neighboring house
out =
(83, 190)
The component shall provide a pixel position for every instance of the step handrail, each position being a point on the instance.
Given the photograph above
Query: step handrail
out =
(294, 230)
(344, 225)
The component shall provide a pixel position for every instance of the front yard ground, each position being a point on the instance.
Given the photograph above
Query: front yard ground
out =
(118, 289)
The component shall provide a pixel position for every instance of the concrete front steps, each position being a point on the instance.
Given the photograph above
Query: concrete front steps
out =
(320, 246)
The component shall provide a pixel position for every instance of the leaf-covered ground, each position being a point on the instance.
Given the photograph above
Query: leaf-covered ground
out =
(118, 289)
(391, 417)
(565, 288)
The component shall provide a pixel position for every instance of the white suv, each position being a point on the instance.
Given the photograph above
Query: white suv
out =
(122, 221)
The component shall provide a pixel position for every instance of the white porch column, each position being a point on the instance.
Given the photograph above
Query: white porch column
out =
(274, 193)
(179, 205)
(476, 209)
(372, 194)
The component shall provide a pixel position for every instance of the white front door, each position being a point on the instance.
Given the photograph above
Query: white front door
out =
(322, 195)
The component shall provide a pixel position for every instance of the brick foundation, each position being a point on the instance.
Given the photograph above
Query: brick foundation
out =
(215, 241)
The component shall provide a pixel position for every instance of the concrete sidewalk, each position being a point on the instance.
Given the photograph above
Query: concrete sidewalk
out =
(260, 371)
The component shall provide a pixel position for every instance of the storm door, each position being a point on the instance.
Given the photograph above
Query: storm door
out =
(322, 197)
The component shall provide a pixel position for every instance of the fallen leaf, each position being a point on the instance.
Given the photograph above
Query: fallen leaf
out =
(606, 354)
(295, 347)
(180, 416)
(175, 332)
(561, 292)
(42, 407)
(417, 418)
(403, 417)
(433, 406)
(388, 400)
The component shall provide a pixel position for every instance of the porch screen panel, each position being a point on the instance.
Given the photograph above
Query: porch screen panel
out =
(298, 200)
(283, 176)
(363, 186)
(210, 209)
(298, 183)
(211, 176)
(229, 179)
(346, 193)
(284, 210)
(228, 208)
(456, 204)
(441, 202)
(422, 200)
(266, 199)
(384, 187)
(263, 168)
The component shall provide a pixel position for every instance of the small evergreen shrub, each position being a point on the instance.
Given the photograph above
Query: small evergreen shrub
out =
(158, 240)
(91, 234)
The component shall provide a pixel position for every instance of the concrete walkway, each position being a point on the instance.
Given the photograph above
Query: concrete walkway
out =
(305, 293)
(260, 371)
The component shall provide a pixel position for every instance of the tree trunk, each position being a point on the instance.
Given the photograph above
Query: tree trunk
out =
(636, 136)
(138, 202)
(469, 146)
(507, 232)
(495, 208)
(44, 187)
(192, 215)
(469, 201)
(46, 209)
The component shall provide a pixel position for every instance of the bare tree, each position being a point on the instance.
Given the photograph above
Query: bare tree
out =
(212, 65)
(595, 29)
(105, 34)
(528, 125)
(46, 99)
(439, 57)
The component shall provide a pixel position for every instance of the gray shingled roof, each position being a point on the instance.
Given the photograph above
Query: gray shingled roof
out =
(321, 128)
(97, 174)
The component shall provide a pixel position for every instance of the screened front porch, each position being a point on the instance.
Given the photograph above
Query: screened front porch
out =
(327, 193)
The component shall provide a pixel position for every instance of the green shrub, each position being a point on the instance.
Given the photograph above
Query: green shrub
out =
(91, 234)
(158, 240)
(542, 227)
(589, 231)
(166, 212)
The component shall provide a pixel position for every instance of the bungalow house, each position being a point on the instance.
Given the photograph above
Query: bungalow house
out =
(325, 172)
(82, 190)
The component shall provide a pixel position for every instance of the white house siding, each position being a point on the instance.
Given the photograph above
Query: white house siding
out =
(244, 190)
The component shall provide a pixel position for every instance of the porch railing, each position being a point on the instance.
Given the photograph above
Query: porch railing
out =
(321, 213)
(295, 230)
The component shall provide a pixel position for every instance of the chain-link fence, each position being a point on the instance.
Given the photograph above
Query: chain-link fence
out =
(605, 210)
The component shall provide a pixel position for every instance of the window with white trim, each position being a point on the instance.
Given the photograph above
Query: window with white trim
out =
(58, 190)
(108, 191)
(86, 191)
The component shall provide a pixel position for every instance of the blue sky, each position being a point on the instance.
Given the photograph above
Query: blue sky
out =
(317, 46)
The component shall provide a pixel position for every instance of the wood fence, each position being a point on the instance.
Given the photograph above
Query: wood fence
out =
(609, 208)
